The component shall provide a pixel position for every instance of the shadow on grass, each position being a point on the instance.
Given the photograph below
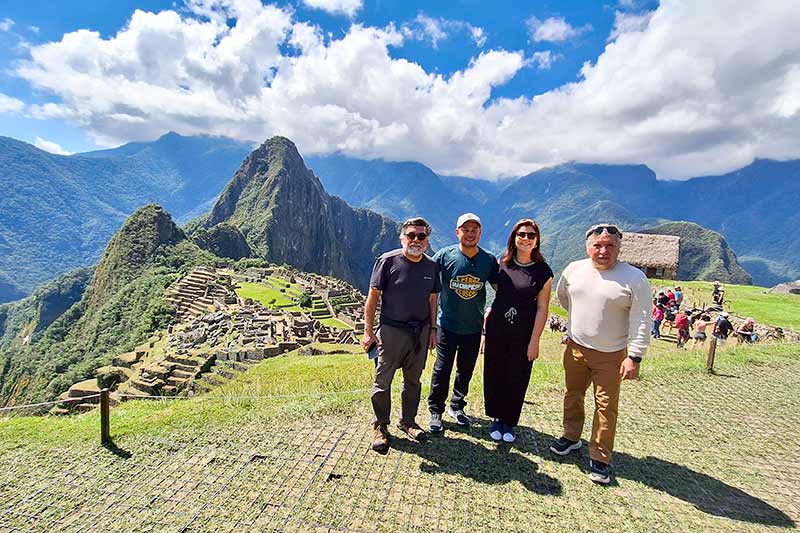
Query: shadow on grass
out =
(707, 494)
(475, 461)
(116, 450)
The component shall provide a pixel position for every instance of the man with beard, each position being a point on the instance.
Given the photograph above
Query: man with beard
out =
(406, 282)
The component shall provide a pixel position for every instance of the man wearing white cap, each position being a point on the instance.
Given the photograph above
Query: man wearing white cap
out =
(465, 270)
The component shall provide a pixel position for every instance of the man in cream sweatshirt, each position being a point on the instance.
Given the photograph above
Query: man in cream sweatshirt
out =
(608, 302)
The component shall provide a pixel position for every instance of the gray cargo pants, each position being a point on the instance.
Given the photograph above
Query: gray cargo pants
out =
(396, 350)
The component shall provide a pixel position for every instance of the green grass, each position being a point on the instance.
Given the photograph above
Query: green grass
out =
(335, 323)
(694, 452)
(265, 295)
(749, 301)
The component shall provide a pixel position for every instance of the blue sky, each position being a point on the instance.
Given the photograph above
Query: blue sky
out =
(468, 87)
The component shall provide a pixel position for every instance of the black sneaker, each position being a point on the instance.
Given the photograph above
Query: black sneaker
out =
(496, 430)
(436, 423)
(599, 472)
(459, 416)
(562, 446)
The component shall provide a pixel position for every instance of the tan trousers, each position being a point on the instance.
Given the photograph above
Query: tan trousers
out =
(583, 366)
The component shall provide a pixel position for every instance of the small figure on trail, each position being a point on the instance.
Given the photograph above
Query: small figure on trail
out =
(662, 299)
(718, 293)
(682, 325)
(609, 308)
(746, 332)
(514, 326)
(465, 269)
(407, 283)
(723, 327)
(700, 331)
(678, 296)
(658, 317)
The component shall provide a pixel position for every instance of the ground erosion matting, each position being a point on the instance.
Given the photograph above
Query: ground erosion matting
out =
(693, 452)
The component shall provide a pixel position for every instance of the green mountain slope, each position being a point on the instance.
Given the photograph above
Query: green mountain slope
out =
(705, 255)
(121, 305)
(58, 212)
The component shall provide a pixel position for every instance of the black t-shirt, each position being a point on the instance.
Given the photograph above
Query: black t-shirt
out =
(406, 285)
(724, 328)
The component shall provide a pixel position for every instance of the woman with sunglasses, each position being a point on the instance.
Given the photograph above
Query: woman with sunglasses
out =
(514, 325)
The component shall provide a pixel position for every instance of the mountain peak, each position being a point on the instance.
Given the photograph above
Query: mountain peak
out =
(142, 237)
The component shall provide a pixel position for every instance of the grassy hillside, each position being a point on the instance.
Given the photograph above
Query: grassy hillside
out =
(781, 310)
(122, 305)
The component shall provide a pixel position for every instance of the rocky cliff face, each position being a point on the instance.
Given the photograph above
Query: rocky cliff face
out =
(285, 216)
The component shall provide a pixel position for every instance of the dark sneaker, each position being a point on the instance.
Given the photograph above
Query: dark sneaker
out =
(436, 423)
(413, 430)
(508, 433)
(496, 430)
(459, 416)
(562, 446)
(380, 438)
(599, 472)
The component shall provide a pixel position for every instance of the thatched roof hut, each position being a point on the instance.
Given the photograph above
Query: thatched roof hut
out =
(656, 255)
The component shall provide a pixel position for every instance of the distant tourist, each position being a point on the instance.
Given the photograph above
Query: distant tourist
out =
(607, 301)
(406, 282)
(718, 293)
(658, 317)
(465, 269)
(678, 296)
(662, 299)
(513, 327)
(682, 325)
(746, 332)
(723, 327)
(700, 331)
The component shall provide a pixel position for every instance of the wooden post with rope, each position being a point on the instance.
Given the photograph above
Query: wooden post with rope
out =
(105, 423)
(712, 352)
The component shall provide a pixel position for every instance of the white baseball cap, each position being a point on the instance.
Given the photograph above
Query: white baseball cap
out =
(468, 217)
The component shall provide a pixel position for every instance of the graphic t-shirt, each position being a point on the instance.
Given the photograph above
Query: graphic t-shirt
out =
(464, 280)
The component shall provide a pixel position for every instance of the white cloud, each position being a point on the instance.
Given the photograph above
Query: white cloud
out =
(553, 29)
(699, 89)
(50, 146)
(424, 27)
(629, 22)
(34, 29)
(544, 59)
(346, 7)
(9, 104)
(6, 24)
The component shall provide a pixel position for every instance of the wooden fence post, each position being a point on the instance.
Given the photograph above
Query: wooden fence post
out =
(712, 351)
(105, 425)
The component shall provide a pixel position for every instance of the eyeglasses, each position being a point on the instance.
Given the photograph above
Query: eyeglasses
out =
(598, 230)
(526, 234)
(418, 236)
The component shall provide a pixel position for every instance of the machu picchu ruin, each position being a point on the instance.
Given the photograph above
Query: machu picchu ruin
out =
(226, 321)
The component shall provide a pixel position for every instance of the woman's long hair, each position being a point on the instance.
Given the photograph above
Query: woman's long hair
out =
(511, 246)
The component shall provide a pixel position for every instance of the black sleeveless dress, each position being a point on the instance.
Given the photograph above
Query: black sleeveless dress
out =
(506, 370)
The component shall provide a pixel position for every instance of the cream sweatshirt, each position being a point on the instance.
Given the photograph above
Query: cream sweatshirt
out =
(608, 310)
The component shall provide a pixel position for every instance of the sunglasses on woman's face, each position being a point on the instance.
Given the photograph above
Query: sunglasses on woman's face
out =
(526, 234)
(418, 236)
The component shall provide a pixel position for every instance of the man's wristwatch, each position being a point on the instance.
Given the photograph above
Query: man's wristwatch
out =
(635, 359)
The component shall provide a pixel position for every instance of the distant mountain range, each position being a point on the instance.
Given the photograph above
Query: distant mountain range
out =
(58, 212)
(753, 208)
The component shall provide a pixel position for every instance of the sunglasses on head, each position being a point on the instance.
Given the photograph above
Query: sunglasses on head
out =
(526, 234)
(612, 230)
(418, 236)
